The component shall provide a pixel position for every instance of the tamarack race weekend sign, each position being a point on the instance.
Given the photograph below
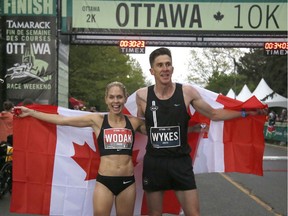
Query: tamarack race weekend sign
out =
(29, 30)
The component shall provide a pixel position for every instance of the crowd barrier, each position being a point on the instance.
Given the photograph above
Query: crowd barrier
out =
(277, 132)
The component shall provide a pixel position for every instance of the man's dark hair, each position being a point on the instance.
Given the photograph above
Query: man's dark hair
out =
(158, 52)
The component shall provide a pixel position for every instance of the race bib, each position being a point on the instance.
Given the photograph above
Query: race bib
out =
(118, 138)
(165, 137)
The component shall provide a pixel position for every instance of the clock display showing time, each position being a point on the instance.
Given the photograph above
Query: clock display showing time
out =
(276, 46)
(132, 44)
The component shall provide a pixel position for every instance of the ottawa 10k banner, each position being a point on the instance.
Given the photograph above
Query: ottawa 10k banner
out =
(29, 33)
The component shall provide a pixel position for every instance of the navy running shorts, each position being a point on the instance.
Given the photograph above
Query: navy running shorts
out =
(168, 173)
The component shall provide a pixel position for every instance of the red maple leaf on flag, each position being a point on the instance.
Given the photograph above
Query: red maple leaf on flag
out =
(87, 159)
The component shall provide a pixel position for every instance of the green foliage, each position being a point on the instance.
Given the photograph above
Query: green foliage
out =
(93, 67)
(208, 62)
(219, 69)
(222, 83)
(255, 65)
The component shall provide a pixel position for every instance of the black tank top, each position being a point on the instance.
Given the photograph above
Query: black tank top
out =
(116, 140)
(167, 123)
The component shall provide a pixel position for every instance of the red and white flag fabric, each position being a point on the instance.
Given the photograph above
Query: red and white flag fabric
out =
(55, 167)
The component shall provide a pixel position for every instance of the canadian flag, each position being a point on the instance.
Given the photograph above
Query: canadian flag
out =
(55, 167)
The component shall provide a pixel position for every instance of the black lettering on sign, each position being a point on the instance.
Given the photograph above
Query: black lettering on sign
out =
(255, 16)
(167, 15)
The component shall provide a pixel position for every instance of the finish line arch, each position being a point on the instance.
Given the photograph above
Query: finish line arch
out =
(35, 35)
(176, 23)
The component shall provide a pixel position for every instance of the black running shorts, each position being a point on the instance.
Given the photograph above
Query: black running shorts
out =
(168, 173)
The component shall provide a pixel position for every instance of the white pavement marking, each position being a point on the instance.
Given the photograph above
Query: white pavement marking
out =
(275, 158)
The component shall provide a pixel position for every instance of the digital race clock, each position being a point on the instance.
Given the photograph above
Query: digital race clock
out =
(276, 48)
(132, 43)
(132, 46)
(276, 45)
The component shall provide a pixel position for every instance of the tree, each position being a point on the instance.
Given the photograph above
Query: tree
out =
(135, 77)
(222, 83)
(219, 69)
(215, 68)
(255, 65)
(93, 67)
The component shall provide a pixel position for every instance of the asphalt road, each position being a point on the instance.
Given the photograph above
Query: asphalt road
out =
(234, 194)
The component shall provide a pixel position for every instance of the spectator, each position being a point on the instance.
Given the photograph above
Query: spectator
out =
(272, 118)
(283, 115)
(6, 121)
(76, 107)
(93, 109)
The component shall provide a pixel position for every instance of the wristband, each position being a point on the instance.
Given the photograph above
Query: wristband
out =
(243, 114)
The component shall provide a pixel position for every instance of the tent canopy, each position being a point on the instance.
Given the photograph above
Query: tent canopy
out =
(244, 94)
(231, 94)
(263, 93)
